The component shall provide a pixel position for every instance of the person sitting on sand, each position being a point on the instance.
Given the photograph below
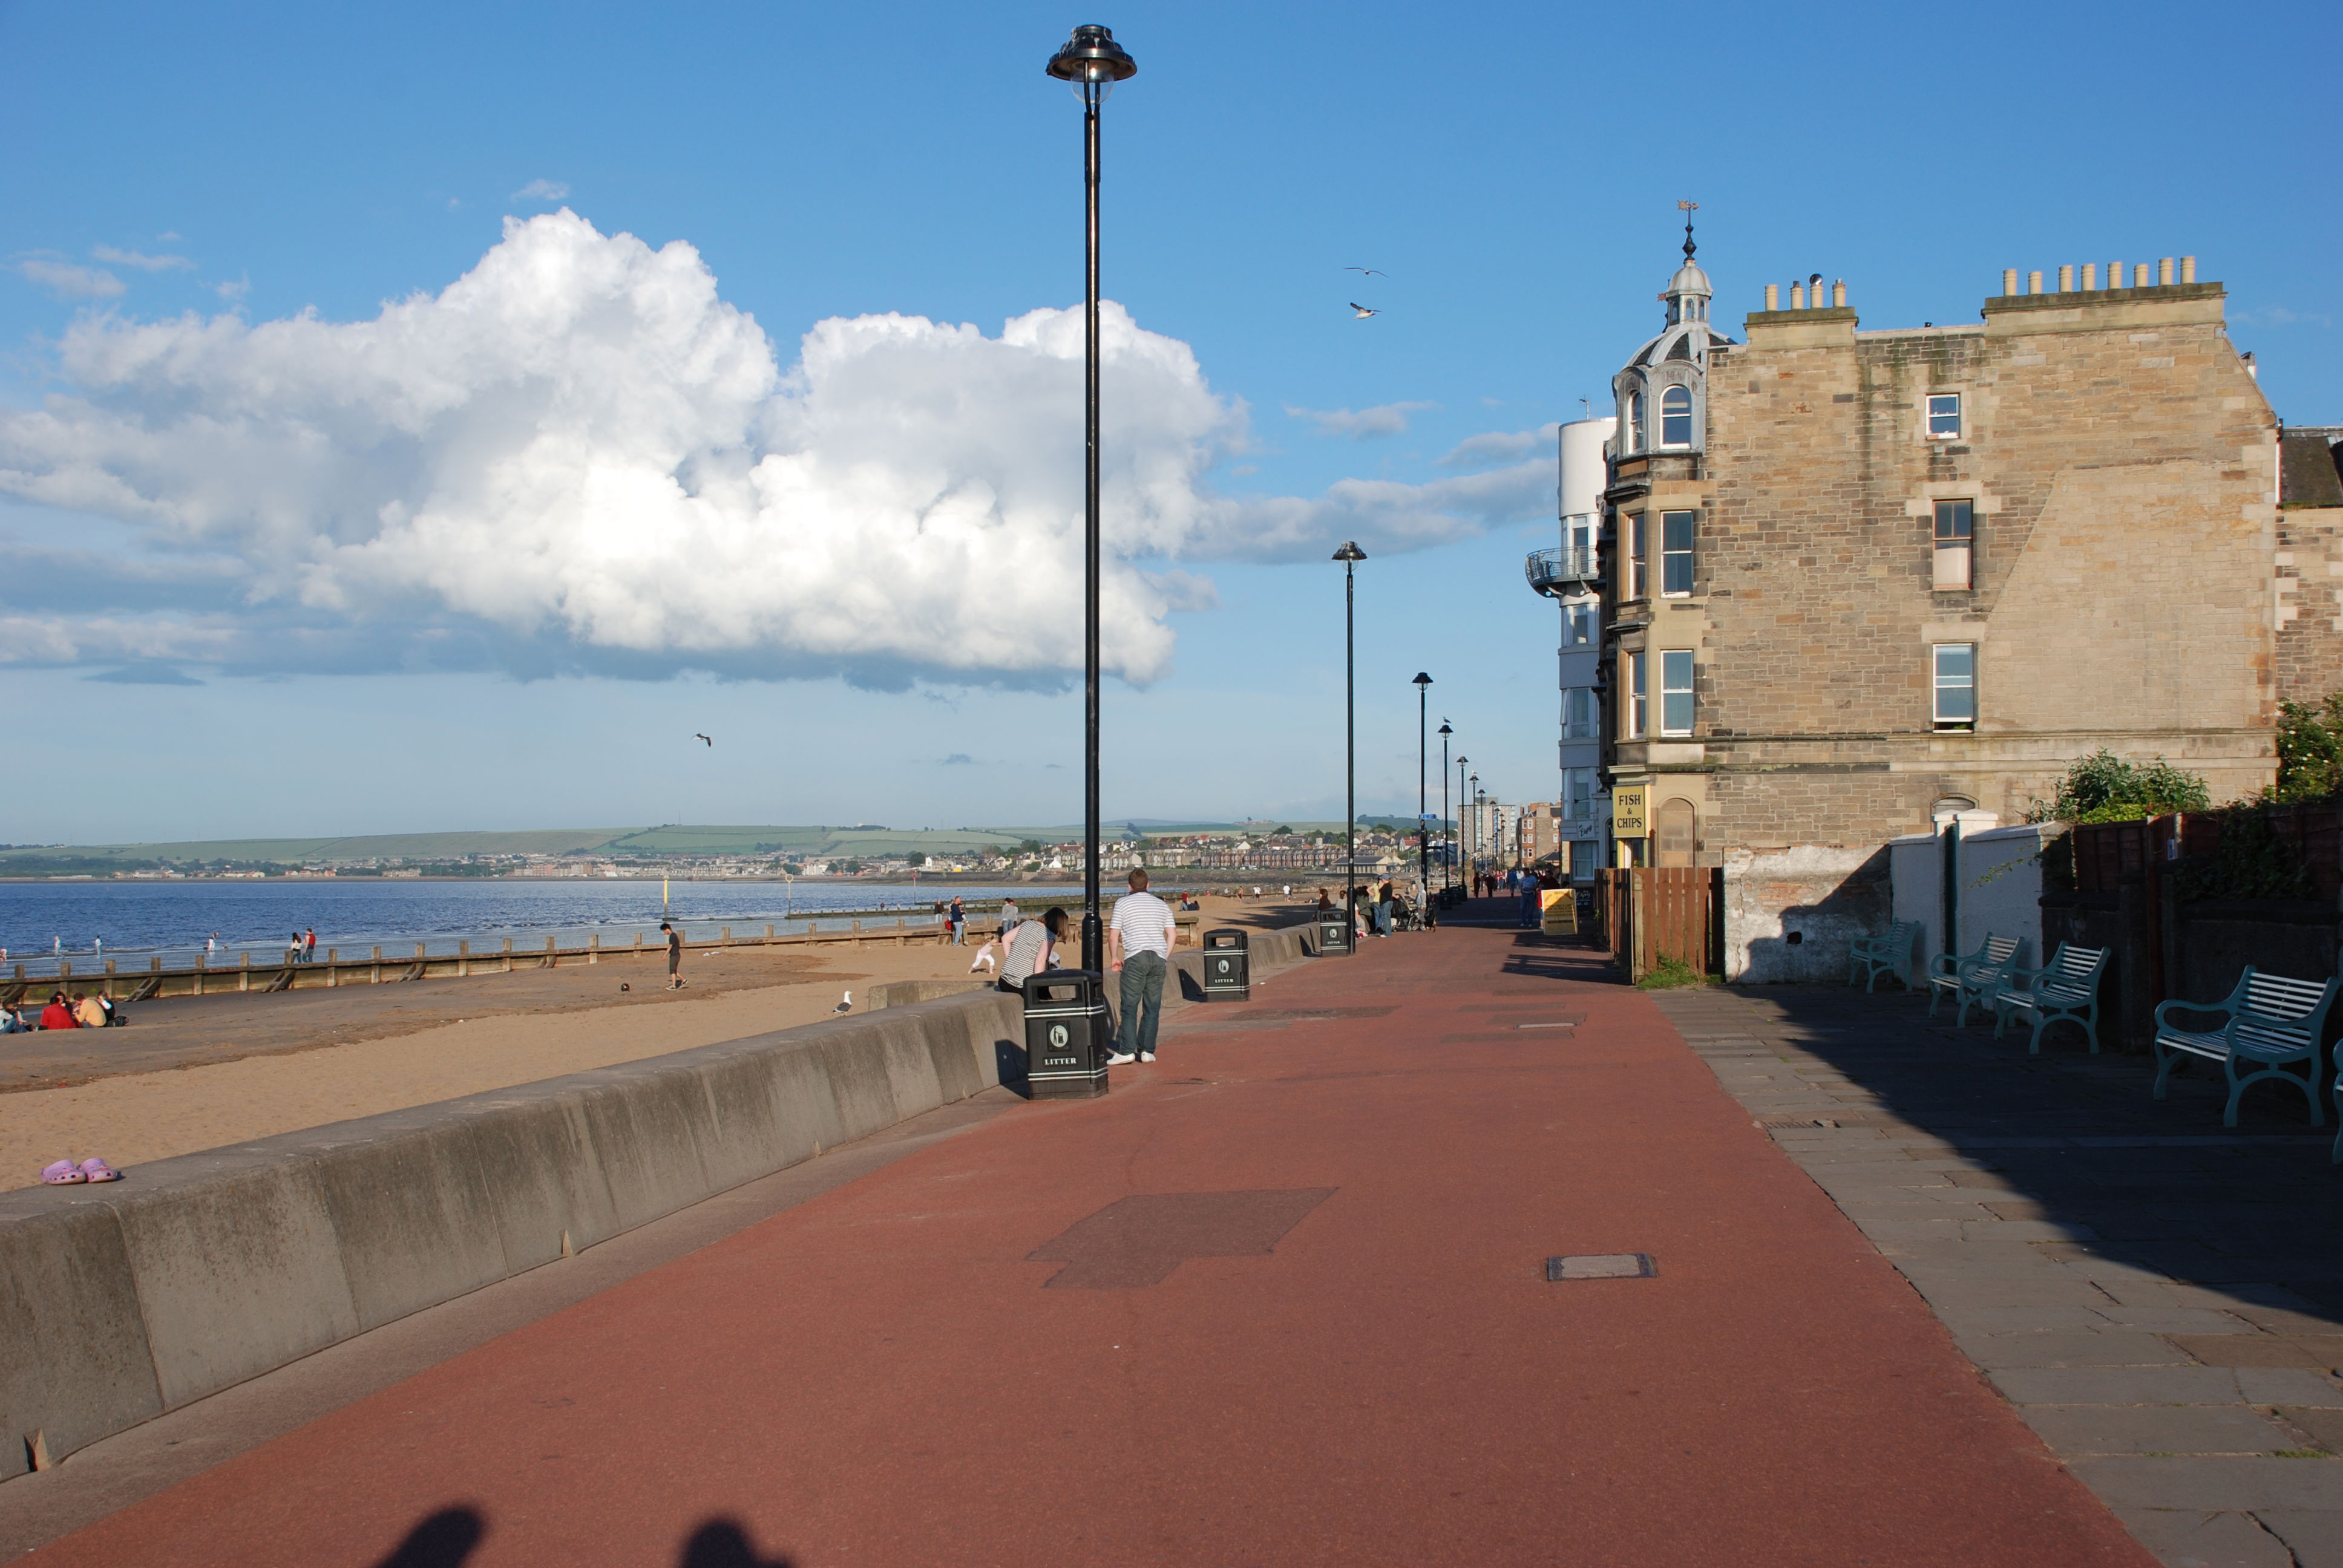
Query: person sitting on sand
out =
(57, 1015)
(12, 1021)
(87, 1012)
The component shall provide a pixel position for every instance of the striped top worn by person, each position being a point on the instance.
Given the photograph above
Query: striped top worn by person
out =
(1144, 922)
(1029, 947)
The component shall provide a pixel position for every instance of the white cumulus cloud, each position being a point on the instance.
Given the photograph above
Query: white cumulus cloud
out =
(1382, 419)
(1496, 446)
(68, 280)
(139, 259)
(580, 456)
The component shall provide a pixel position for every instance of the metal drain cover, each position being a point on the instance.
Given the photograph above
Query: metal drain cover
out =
(1600, 1266)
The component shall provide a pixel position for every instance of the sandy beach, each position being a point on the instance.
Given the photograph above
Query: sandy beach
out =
(200, 1074)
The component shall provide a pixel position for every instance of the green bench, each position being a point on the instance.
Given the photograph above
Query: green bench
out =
(2065, 990)
(2268, 1023)
(1971, 981)
(1890, 954)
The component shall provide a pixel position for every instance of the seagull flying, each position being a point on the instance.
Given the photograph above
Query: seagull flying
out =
(846, 1006)
(1370, 271)
(711, 745)
(1359, 312)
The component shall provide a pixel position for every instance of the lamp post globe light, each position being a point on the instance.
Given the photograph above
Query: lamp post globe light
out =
(1349, 554)
(1445, 733)
(1092, 63)
(1422, 741)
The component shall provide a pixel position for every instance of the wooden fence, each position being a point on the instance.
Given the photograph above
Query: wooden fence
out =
(1651, 912)
(2105, 852)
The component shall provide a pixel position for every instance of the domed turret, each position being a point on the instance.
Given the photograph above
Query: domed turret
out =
(1663, 392)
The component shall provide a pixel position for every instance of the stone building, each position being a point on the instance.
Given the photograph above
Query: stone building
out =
(1859, 583)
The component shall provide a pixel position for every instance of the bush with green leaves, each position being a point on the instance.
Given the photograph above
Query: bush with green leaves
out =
(2104, 788)
(2309, 752)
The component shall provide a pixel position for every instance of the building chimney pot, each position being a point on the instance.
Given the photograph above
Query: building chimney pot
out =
(2066, 280)
(1797, 296)
(2008, 281)
(2164, 272)
(2034, 282)
(2187, 269)
(1838, 294)
(2114, 275)
(2140, 275)
(2090, 275)
(1773, 296)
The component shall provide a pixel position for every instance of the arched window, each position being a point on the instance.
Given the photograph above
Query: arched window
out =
(1635, 423)
(1675, 417)
(1674, 833)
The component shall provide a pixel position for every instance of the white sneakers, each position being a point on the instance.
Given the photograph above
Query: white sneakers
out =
(1147, 1056)
(1122, 1059)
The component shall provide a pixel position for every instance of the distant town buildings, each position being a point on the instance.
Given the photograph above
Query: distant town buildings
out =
(1859, 583)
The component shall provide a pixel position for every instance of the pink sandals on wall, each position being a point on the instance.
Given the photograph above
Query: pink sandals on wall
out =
(66, 1174)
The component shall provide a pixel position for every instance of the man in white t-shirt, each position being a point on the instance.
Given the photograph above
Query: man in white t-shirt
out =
(1139, 942)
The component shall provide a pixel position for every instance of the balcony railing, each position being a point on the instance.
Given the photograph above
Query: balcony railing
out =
(1563, 570)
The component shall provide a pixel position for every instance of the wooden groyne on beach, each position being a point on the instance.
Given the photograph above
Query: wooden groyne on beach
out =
(276, 972)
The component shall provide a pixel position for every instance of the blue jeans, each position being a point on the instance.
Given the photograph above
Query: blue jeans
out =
(1142, 1002)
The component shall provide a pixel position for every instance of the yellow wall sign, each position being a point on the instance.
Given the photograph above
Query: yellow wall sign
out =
(1627, 812)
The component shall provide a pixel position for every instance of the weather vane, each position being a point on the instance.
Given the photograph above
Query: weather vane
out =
(1688, 208)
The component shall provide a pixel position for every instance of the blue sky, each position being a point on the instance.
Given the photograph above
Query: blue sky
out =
(259, 591)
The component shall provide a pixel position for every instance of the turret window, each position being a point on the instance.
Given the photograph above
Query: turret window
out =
(1675, 417)
(1636, 422)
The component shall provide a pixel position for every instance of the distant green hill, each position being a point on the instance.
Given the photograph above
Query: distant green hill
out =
(859, 842)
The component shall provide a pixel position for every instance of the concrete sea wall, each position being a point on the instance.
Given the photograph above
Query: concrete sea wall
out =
(120, 1301)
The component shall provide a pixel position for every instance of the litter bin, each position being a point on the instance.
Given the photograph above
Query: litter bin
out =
(1228, 965)
(1067, 1038)
(1334, 932)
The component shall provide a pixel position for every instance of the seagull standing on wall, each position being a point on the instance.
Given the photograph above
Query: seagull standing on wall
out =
(845, 1006)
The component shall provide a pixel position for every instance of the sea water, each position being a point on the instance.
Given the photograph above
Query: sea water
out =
(86, 923)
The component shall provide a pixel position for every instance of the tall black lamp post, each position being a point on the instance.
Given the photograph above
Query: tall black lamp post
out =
(1445, 733)
(1473, 851)
(1349, 554)
(1461, 800)
(1092, 62)
(1422, 741)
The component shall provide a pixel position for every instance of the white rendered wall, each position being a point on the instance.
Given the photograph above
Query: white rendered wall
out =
(1583, 477)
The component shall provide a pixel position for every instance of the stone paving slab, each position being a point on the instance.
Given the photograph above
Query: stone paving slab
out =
(2161, 1297)
(2190, 1538)
(2080, 1430)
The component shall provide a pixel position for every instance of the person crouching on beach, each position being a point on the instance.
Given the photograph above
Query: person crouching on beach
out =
(674, 957)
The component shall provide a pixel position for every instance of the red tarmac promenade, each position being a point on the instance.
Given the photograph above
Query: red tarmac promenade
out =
(1279, 1298)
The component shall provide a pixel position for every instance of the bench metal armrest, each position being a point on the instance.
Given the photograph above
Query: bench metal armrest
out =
(2220, 1010)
